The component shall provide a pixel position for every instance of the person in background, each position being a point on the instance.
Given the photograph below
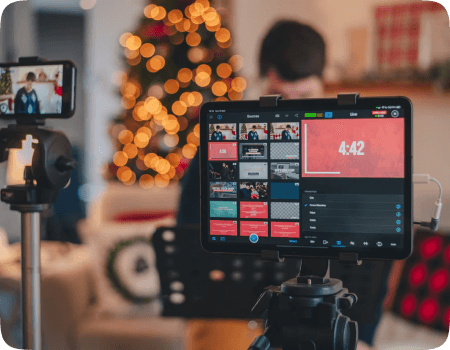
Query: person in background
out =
(291, 63)
(26, 101)
(253, 135)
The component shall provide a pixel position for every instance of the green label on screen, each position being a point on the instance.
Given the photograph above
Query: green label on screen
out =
(223, 209)
(310, 115)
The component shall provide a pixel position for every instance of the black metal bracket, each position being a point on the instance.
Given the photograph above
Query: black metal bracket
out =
(269, 100)
(349, 258)
(31, 59)
(347, 99)
(271, 255)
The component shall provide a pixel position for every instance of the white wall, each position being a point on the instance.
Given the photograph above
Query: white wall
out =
(17, 39)
(105, 23)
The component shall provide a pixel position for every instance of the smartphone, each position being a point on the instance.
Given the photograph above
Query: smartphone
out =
(42, 90)
(307, 178)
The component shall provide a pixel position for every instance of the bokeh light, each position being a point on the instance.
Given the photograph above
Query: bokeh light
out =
(147, 50)
(202, 79)
(171, 140)
(184, 75)
(120, 158)
(151, 10)
(146, 181)
(132, 179)
(133, 42)
(173, 159)
(236, 62)
(219, 88)
(175, 16)
(197, 130)
(124, 173)
(189, 150)
(123, 38)
(130, 150)
(153, 105)
(235, 95)
(150, 160)
(193, 39)
(157, 62)
(239, 84)
(224, 70)
(128, 101)
(156, 91)
(183, 122)
(171, 86)
(179, 108)
(162, 180)
(223, 35)
(161, 13)
(141, 140)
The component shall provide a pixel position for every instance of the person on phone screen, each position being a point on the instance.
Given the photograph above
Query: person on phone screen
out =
(253, 135)
(26, 101)
(291, 63)
(286, 133)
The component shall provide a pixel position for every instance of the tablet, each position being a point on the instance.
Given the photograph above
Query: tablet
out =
(307, 178)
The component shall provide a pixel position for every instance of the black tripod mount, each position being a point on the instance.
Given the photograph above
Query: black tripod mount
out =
(304, 312)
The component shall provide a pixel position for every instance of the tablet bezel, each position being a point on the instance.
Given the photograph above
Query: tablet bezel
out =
(332, 252)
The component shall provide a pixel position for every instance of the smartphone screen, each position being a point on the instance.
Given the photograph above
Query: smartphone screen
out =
(44, 90)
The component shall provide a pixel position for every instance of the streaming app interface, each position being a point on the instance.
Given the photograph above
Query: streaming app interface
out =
(330, 178)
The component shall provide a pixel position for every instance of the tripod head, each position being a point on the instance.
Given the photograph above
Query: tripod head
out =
(50, 170)
(304, 314)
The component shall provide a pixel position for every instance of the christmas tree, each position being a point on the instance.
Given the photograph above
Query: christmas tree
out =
(177, 59)
(5, 82)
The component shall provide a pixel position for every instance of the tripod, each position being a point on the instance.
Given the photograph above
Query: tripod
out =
(304, 312)
(49, 172)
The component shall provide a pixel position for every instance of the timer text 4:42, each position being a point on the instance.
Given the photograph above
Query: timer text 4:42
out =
(355, 148)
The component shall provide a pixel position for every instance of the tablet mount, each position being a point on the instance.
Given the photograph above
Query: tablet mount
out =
(304, 312)
(49, 172)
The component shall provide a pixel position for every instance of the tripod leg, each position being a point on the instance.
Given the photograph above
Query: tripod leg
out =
(31, 281)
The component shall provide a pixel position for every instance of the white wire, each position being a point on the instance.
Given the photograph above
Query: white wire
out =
(440, 187)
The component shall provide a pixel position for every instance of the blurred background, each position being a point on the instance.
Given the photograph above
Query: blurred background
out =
(144, 69)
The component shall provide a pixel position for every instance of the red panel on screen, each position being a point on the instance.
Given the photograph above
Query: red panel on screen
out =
(223, 228)
(353, 148)
(254, 210)
(222, 151)
(261, 228)
(285, 229)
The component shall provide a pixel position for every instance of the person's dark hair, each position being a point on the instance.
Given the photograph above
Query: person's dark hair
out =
(254, 127)
(31, 76)
(218, 127)
(293, 50)
(247, 184)
(288, 126)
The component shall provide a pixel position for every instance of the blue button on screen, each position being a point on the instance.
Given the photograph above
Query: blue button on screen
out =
(328, 114)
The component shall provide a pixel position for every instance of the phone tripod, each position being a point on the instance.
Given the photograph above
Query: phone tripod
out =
(304, 312)
(52, 164)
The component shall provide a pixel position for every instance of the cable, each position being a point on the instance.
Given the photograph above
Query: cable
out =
(425, 179)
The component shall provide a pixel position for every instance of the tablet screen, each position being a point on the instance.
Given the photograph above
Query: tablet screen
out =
(318, 178)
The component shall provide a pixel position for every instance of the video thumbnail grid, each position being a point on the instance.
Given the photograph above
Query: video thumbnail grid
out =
(254, 184)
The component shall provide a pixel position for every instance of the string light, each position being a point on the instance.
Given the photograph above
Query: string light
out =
(175, 16)
(146, 181)
(236, 62)
(132, 179)
(184, 75)
(130, 150)
(189, 150)
(223, 35)
(133, 42)
(123, 38)
(162, 180)
(239, 84)
(123, 173)
(147, 50)
(151, 113)
(120, 158)
(193, 39)
(150, 160)
(219, 88)
(171, 86)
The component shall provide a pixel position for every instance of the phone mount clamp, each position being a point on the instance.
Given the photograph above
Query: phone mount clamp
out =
(305, 312)
(49, 172)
